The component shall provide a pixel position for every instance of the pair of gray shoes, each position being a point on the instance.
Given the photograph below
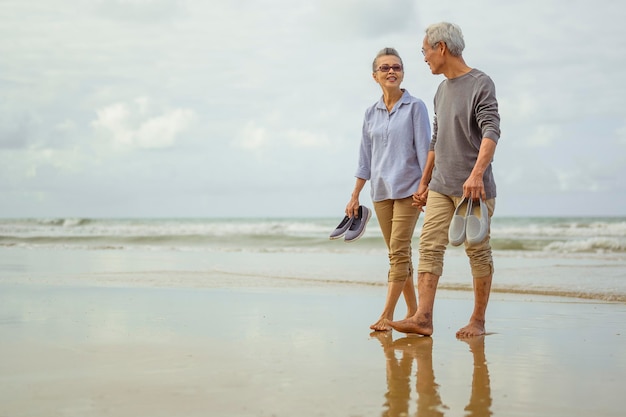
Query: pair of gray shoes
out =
(469, 227)
(352, 227)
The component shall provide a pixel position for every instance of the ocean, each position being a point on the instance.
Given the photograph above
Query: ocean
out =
(582, 258)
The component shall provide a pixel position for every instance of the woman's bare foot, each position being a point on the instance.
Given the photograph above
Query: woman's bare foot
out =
(418, 324)
(382, 325)
(473, 328)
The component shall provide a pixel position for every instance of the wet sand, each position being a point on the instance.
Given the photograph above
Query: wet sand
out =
(69, 350)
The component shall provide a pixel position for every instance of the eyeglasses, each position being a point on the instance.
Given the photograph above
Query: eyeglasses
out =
(386, 68)
(432, 47)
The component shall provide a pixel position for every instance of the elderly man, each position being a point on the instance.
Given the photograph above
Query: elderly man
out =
(466, 130)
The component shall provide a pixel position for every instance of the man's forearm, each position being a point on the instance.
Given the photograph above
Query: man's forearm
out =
(485, 156)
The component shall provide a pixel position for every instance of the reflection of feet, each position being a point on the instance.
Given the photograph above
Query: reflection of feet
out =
(480, 399)
(382, 325)
(473, 328)
(476, 344)
(415, 345)
(416, 324)
(383, 337)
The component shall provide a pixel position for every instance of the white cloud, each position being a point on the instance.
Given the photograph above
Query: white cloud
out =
(132, 125)
(258, 138)
(66, 126)
(307, 139)
(545, 135)
(252, 137)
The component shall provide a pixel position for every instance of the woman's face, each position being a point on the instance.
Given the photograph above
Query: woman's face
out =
(390, 72)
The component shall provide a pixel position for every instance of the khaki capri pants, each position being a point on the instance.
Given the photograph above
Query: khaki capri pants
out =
(434, 237)
(397, 220)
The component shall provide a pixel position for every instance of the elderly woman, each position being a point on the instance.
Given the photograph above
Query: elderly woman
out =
(393, 154)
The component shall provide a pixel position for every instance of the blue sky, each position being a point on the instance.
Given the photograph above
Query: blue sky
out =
(177, 108)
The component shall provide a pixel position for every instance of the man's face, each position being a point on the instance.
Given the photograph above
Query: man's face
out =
(432, 56)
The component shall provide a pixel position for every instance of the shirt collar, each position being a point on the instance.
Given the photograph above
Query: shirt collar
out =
(405, 99)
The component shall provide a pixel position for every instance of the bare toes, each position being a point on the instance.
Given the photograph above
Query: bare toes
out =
(470, 331)
(381, 325)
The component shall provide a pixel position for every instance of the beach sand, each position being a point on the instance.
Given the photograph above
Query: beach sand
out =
(299, 350)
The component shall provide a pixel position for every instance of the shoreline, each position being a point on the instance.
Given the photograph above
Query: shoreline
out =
(551, 277)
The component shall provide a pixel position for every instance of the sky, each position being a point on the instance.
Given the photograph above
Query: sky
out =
(253, 108)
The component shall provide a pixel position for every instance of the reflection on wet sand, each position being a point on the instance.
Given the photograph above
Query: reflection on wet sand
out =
(480, 400)
(429, 404)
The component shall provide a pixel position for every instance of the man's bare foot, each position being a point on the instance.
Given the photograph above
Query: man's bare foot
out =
(417, 324)
(473, 328)
(382, 325)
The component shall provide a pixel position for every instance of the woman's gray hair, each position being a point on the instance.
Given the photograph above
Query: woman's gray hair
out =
(448, 33)
(384, 52)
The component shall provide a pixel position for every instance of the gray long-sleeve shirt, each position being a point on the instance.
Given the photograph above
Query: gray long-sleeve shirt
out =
(466, 111)
(394, 147)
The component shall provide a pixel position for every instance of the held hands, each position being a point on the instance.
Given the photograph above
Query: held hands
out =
(420, 197)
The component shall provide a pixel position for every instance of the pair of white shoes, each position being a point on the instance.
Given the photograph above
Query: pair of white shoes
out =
(352, 227)
(470, 228)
